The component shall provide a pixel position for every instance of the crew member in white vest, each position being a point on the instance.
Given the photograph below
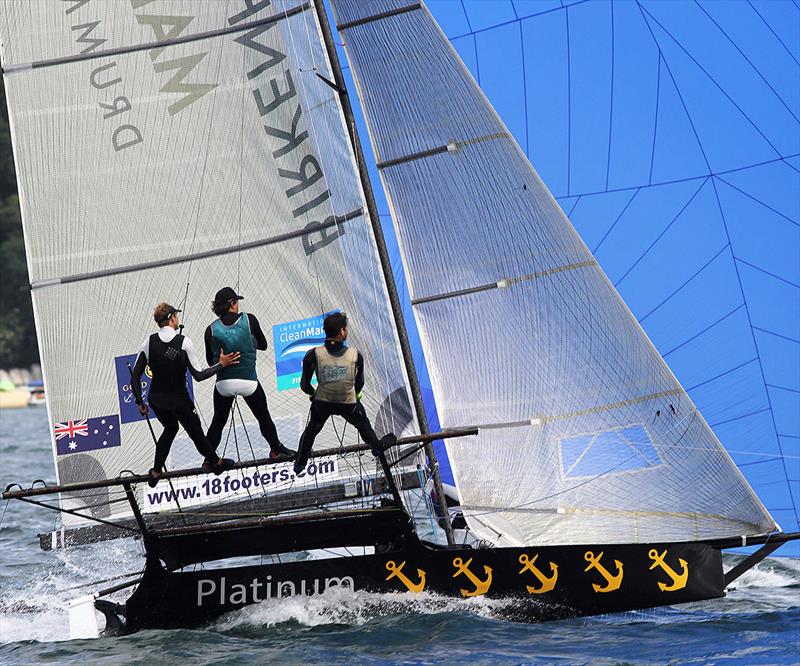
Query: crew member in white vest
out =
(340, 379)
(169, 355)
(241, 331)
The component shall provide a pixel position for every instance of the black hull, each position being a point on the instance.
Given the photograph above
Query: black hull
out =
(549, 583)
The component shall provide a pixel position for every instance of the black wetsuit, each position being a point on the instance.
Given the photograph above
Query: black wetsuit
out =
(354, 414)
(169, 397)
(256, 401)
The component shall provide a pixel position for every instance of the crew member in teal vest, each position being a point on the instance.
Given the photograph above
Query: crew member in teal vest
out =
(340, 378)
(240, 331)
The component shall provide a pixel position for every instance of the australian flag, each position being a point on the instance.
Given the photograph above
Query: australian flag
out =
(82, 435)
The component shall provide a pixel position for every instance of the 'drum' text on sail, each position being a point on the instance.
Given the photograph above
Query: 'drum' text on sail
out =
(102, 77)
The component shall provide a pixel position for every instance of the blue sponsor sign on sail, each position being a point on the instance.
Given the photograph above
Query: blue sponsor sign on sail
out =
(608, 452)
(291, 340)
(128, 409)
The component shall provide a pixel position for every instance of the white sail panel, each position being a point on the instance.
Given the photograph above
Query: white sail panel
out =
(167, 173)
(586, 436)
(190, 164)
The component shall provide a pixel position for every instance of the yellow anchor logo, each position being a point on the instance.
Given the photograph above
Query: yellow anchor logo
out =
(547, 583)
(678, 579)
(481, 586)
(613, 581)
(396, 571)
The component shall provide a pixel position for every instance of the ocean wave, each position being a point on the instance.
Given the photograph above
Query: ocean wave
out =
(771, 572)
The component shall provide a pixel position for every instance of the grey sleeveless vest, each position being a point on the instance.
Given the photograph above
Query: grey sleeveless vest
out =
(336, 376)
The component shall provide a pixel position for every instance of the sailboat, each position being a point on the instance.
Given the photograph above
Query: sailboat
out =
(165, 147)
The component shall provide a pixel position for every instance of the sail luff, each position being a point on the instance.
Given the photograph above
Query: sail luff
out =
(23, 210)
(386, 266)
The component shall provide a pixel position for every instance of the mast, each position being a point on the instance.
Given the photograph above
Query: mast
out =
(386, 265)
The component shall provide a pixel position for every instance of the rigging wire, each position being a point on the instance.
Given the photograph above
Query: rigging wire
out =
(198, 205)
(105, 580)
(241, 176)
(228, 434)
(247, 436)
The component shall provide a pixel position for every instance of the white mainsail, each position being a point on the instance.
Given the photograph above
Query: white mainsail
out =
(165, 149)
(586, 436)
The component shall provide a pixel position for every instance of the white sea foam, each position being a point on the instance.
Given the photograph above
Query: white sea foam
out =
(342, 606)
(44, 627)
(771, 572)
(35, 609)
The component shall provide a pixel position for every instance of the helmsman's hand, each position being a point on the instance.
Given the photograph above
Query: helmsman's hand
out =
(228, 359)
(143, 409)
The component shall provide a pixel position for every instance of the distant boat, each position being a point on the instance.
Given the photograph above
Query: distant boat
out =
(36, 394)
(12, 396)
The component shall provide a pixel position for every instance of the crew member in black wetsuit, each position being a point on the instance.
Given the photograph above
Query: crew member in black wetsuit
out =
(340, 378)
(240, 331)
(169, 354)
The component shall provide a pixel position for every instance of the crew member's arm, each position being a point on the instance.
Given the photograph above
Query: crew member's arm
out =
(257, 333)
(192, 363)
(359, 375)
(309, 368)
(209, 350)
(136, 379)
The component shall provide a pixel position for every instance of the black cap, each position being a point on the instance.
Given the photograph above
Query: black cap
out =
(226, 294)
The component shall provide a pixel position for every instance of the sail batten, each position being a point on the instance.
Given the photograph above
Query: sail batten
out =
(521, 329)
(333, 221)
(379, 16)
(122, 50)
(449, 147)
(503, 282)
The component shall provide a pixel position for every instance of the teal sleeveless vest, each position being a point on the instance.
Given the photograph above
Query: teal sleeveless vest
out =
(236, 337)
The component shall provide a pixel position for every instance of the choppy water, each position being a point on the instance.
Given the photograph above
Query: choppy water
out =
(758, 623)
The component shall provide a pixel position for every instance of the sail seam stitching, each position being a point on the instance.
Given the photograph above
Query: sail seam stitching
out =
(272, 240)
(504, 283)
(377, 17)
(38, 64)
